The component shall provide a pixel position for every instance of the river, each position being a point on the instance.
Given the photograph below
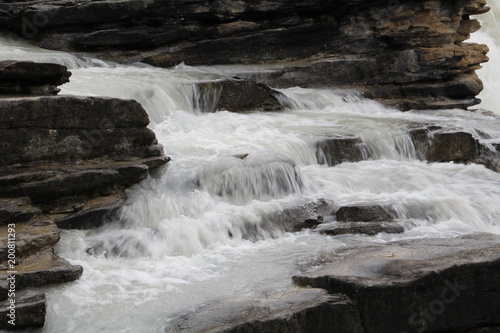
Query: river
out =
(176, 246)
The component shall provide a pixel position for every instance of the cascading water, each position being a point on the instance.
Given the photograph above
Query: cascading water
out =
(204, 227)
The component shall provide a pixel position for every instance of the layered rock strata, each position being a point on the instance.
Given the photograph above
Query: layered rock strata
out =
(66, 163)
(410, 54)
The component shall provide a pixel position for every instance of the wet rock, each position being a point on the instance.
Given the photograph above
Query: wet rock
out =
(458, 147)
(438, 144)
(237, 96)
(337, 149)
(425, 285)
(365, 228)
(25, 77)
(30, 239)
(93, 214)
(409, 54)
(29, 311)
(41, 269)
(365, 213)
(17, 210)
(298, 216)
(294, 310)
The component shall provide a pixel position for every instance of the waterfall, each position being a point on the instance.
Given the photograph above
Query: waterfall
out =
(212, 224)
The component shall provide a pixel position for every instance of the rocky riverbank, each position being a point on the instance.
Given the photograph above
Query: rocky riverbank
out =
(426, 285)
(410, 54)
(66, 162)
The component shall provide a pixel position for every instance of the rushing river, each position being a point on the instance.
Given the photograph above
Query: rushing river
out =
(175, 247)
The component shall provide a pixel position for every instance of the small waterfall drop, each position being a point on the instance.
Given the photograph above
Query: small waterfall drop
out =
(212, 224)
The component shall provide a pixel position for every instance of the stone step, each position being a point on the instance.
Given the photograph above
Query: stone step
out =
(29, 311)
(30, 238)
(40, 269)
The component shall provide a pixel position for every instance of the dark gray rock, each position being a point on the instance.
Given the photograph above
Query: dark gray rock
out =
(365, 228)
(29, 311)
(424, 285)
(237, 96)
(337, 149)
(24, 77)
(293, 311)
(365, 213)
(66, 129)
(437, 144)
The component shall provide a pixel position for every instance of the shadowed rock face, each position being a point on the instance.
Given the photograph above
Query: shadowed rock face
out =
(409, 54)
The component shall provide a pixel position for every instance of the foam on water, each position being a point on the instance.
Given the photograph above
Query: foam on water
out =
(201, 228)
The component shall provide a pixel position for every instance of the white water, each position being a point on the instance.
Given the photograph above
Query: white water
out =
(201, 229)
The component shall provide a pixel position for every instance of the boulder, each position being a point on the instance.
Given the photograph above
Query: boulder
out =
(440, 144)
(423, 285)
(237, 95)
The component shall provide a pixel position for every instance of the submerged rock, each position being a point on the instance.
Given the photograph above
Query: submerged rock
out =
(424, 285)
(294, 310)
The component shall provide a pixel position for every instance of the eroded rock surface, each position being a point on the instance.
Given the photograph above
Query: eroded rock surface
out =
(424, 285)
